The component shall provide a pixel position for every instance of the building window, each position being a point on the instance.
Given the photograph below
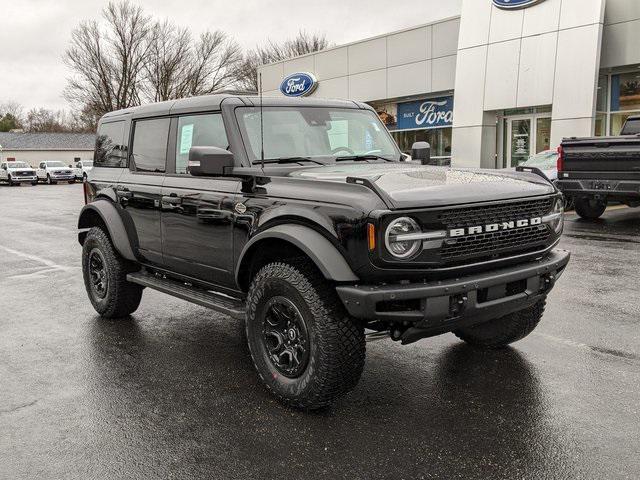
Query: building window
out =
(426, 120)
(618, 98)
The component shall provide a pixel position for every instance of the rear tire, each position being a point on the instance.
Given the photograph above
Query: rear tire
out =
(105, 277)
(503, 331)
(34, 183)
(589, 208)
(305, 347)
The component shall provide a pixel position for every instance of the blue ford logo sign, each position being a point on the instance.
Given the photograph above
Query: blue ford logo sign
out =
(298, 85)
(432, 113)
(514, 4)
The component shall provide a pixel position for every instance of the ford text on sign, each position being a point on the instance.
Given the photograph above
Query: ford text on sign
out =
(298, 85)
(432, 113)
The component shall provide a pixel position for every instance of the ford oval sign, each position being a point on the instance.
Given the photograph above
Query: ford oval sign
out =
(514, 4)
(298, 85)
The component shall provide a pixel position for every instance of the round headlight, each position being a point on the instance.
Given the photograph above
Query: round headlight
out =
(396, 240)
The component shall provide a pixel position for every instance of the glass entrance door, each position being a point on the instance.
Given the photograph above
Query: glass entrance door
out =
(525, 136)
(519, 141)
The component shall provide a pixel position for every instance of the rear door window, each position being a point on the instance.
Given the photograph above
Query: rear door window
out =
(205, 130)
(149, 150)
(111, 149)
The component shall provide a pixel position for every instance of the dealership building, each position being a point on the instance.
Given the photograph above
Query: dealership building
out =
(488, 88)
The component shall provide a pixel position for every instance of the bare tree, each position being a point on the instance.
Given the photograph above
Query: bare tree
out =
(303, 43)
(128, 57)
(107, 59)
(178, 67)
(15, 109)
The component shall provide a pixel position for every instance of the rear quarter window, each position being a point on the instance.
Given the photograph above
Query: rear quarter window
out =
(111, 148)
(631, 127)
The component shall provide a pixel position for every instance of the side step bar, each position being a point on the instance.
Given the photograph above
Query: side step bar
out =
(220, 303)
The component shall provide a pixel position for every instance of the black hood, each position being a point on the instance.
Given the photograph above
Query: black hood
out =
(414, 186)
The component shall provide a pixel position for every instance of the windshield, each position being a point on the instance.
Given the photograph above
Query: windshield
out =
(87, 163)
(18, 165)
(318, 133)
(55, 164)
(544, 160)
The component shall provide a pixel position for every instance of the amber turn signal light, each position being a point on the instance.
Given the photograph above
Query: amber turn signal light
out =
(371, 236)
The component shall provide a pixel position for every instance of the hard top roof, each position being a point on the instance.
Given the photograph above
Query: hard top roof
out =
(213, 102)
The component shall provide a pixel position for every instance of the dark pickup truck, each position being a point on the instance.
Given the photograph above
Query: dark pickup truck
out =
(298, 217)
(595, 170)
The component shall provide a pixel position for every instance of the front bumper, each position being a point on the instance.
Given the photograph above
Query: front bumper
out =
(63, 177)
(600, 188)
(22, 178)
(431, 308)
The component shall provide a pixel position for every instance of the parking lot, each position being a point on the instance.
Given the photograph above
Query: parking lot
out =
(171, 393)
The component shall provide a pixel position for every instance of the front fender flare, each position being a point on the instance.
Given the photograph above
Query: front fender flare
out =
(112, 219)
(319, 249)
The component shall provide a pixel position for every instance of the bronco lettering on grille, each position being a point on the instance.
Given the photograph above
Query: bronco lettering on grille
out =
(495, 227)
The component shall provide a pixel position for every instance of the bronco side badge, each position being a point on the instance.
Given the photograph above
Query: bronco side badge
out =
(240, 208)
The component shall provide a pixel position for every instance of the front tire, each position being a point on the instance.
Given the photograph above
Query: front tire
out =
(49, 181)
(105, 277)
(589, 208)
(10, 181)
(503, 331)
(305, 347)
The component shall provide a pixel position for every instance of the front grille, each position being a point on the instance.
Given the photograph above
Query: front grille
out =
(484, 243)
(468, 217)
(500, 243)
(24, 174)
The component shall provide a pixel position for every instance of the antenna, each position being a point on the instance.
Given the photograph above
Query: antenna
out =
(261, 124)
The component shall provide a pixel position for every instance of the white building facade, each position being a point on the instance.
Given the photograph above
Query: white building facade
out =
(34, 148)
(494, 85)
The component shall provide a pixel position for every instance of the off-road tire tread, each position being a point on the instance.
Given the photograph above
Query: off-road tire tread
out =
(585, 210)
(340, 338)
(503, 331)
(123, 297)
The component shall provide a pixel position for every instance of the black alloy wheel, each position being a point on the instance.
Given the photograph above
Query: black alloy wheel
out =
(286, 337)
(99, 279)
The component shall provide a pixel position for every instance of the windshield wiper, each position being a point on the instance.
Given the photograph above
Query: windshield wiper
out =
(359, 158)
(287, 160)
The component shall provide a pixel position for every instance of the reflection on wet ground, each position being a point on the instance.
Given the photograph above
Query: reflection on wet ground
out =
(171, 392)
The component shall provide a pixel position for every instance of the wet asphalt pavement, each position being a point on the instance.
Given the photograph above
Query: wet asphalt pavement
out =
(172, 393)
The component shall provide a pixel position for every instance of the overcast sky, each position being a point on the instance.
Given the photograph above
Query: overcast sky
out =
(35, 33)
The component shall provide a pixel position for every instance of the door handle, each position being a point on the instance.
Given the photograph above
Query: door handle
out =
(124, 195)
(171, 200)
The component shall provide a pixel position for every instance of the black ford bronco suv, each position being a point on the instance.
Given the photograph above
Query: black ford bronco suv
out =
(299, 217)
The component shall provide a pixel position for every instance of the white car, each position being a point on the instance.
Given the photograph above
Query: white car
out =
(53, 172)
(15, 173)
(82, 169)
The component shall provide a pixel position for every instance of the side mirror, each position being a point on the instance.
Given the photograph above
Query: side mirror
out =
(421, 151)
(212, 161)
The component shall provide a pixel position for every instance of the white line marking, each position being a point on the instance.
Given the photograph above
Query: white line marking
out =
(35, 258)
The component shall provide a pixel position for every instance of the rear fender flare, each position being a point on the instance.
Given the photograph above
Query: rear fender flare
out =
(112, 219)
